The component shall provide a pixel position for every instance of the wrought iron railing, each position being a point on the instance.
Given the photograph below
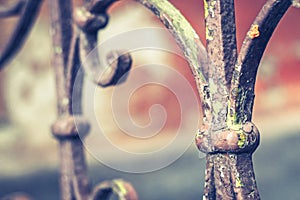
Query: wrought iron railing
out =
(225, 80)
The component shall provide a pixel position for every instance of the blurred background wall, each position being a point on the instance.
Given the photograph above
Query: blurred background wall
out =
(27, 89)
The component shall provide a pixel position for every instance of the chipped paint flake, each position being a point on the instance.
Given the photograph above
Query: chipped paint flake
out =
(205, 9)
(242, 139)
(254, 31)
(211, 6)
(209, 34)
(186, 35)
(120, 188)
(238, 182)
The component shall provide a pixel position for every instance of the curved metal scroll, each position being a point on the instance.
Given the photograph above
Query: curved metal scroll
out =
(93, 17)
(122, 189)
(254, 45)
(90, 19)
(27, 18)
(189, 42)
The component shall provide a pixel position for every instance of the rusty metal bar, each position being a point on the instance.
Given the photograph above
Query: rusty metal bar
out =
(229, 146)
(74, 181)
(254, 44)
(222, 52)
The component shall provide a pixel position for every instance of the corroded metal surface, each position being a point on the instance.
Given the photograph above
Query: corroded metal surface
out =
(229, 173)
(222, 51)
(242, 140)
(254, 44)
(230, 176)
(230, 139)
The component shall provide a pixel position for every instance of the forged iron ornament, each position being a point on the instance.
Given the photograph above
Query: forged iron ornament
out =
(225, 80)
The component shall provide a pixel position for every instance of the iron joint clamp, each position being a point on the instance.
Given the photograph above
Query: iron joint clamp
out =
(70, 127)
(240, 139)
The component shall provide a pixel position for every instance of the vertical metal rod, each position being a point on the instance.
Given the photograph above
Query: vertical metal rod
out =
(222, 53)
(74, 181)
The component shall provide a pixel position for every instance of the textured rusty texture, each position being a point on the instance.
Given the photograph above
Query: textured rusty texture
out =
(229, 170)
(230, 176)
(243, 140)
(230, 139)
(222, 51)
(244, 76)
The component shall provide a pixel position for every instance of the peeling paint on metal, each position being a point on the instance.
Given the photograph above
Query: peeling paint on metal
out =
(238, 182)
(242, 139)
(209, 34)
(254, 31)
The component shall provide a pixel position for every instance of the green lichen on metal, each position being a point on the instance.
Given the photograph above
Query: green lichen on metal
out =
(236, 113)
(205, 9)
(218, 106)
(238, 182)
(182, 30)
(119, 187)
(232, 121)
(209, 34)
(233, 124)
(58, 50)
(212, 86)
(240, 104)
(209, 8)
(242, 139)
